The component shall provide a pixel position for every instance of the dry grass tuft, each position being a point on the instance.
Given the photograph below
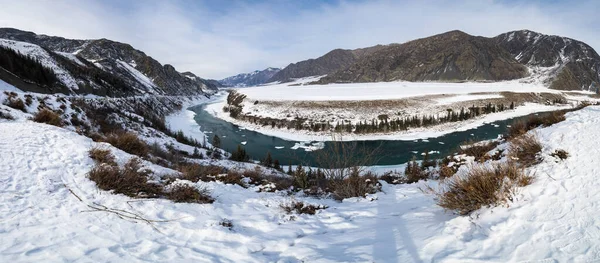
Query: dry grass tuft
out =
(354, 186)
(182, 193)
(195, 172)
(301, 208)
(481, 186)
(446, 172)
(102, 155)
(130, 180)
(15, 103)
(519, 128)
(560, 154)
(49, 117)
(525, 149)
(128, 142)
(478, 150)
(6, 115)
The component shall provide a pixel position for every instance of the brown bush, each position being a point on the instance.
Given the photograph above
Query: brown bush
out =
(301, 208)
(477, 150)
(16, 103)
(49, 117)
(542, 119)
(560, 154)
(182, 193)
(102, 155)
(232, 177)
(525, 149)
(6, 115)
(355, 185)
(195, 172)
(481, 186)
(129, 180)
(128, 142)
(446, 172)
(414, 173)
(392, 177)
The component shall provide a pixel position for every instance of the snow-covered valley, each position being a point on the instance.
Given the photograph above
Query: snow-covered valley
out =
(365, 102)
(45, 213)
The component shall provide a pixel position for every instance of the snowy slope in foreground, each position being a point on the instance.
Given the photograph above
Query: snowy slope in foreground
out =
(382, 90)
(553, 220)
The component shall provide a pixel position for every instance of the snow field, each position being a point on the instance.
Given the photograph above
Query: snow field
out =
(554, 219)
(381, 90)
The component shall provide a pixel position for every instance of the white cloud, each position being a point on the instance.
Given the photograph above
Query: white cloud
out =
(247, 36)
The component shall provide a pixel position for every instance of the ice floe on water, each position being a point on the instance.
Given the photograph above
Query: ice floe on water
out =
(308, 146)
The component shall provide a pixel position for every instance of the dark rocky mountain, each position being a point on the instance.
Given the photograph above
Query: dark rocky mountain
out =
(104, 67)
(559, 62)
(254, 78)
(452, 56)
(571, 64)
(330, 62)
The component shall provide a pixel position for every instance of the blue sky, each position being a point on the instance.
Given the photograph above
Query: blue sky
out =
(215, 39)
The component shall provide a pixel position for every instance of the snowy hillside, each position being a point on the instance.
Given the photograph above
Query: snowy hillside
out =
(44, 58)
(52, 212)
(100, 67)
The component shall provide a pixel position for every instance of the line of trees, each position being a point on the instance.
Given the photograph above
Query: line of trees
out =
(383, 123)
(27, 67)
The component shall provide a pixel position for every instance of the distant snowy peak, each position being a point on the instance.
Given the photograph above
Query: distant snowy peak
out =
(254, 78)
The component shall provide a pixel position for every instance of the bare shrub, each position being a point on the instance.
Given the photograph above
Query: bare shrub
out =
(232, 177)
(355, 185)
(560, 154)
(15, 103)
(392, 177)
(128, 142)
(446, 172)
(130, 180)
(541, 119)
(182, 193)
(49, 117)
(525, 149)
(477, 150)
(414, 172)
(102, 155)
(195, 172)
(481, 186)
(340, 158)
(6, 115)
(301, 208)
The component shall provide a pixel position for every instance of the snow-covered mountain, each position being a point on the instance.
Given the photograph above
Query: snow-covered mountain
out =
(100, 66)
(570, 64)
(559, 62)
(254, 78)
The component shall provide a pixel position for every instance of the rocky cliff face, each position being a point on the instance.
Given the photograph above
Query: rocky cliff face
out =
(571, 64)
(452, 56)
(106, 67)
(254, 78)
(559, 62)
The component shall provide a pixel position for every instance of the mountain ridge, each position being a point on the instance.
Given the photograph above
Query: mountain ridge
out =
(253, 78)
(92, 63)
(558, 62)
